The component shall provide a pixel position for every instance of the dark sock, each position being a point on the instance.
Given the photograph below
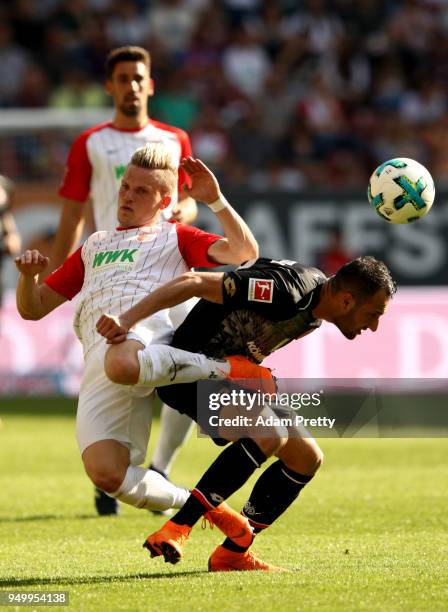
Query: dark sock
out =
(275, 490)
(227, 474)
(230, 545)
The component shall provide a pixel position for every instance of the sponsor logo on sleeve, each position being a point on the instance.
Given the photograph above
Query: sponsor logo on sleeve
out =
(260, 290)
(229, 286)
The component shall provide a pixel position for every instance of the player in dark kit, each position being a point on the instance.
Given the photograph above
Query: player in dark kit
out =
(253, 311)
(265, 306)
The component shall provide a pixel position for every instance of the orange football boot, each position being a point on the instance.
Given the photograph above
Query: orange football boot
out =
(232, 524)
(251, 375)
(168, 541)
(223, 560)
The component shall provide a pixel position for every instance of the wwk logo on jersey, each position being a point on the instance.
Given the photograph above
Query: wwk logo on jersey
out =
(260, 290)
(120, 257)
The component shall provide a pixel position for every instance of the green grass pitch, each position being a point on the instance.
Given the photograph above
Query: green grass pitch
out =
(370, 533)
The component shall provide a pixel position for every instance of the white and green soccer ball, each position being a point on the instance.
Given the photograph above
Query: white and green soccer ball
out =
(401, 190)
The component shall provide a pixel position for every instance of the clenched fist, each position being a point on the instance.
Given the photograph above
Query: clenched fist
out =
(31, 263)
(114, 329)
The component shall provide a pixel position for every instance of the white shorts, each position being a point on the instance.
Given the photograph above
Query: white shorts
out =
(107, 411)
(179, 313)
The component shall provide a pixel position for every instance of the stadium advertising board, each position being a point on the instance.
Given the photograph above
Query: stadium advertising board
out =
(412, 342)
(301, 228)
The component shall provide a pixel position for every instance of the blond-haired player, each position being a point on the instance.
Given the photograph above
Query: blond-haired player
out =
(96, 163)
(112, 271)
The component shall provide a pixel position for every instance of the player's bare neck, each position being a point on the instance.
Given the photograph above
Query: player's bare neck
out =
(141, 225)
(151, 221)
(122, 122)
(323, 309)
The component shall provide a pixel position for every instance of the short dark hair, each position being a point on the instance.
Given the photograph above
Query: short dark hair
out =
(363, 277)
(126, 54)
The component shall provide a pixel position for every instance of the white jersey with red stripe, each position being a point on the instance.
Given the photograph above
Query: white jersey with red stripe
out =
(113, 270)
(98, 159)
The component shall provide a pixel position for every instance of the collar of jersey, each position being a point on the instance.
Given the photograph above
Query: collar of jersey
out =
(310, 300)
(122, 229)
(111, 125)
(132, 227)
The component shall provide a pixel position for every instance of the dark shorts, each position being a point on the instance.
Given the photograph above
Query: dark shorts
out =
(238, 421)
(183, 398)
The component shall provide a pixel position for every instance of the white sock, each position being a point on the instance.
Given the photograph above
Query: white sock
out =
(174, 431)
(163, 365)
(147, 489)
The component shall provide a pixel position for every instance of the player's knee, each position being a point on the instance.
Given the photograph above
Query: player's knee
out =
(272, 445)
(120, 368)
(105, 479)
(318, 458)
(309, 458)
(302, 455)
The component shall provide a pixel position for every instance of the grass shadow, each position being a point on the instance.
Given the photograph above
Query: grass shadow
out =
(46, 517)
(11, 582)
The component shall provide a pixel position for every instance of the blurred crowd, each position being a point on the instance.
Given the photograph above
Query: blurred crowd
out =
(276, 94)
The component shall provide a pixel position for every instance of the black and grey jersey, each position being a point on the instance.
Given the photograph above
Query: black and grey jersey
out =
(267, 304)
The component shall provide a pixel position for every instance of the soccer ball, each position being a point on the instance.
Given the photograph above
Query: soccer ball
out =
(401, 190)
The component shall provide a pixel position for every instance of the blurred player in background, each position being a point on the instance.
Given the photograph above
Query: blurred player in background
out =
(95, 166)
(336, 255)
(112, 270)
(9, 237)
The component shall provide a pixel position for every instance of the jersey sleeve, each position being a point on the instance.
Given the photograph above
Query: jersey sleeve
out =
(194, 244)
(78, 171)
(261, 290)
(68, 279)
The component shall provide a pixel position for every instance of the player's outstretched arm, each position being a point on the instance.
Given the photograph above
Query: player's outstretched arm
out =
(239, 243)
(34, 301)
(207, 285)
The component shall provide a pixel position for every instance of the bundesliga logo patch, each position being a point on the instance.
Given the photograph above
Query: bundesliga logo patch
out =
(260, 290)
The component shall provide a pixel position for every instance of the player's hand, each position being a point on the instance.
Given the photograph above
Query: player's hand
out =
(204, 186)
(31, 263)
(114, 329)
